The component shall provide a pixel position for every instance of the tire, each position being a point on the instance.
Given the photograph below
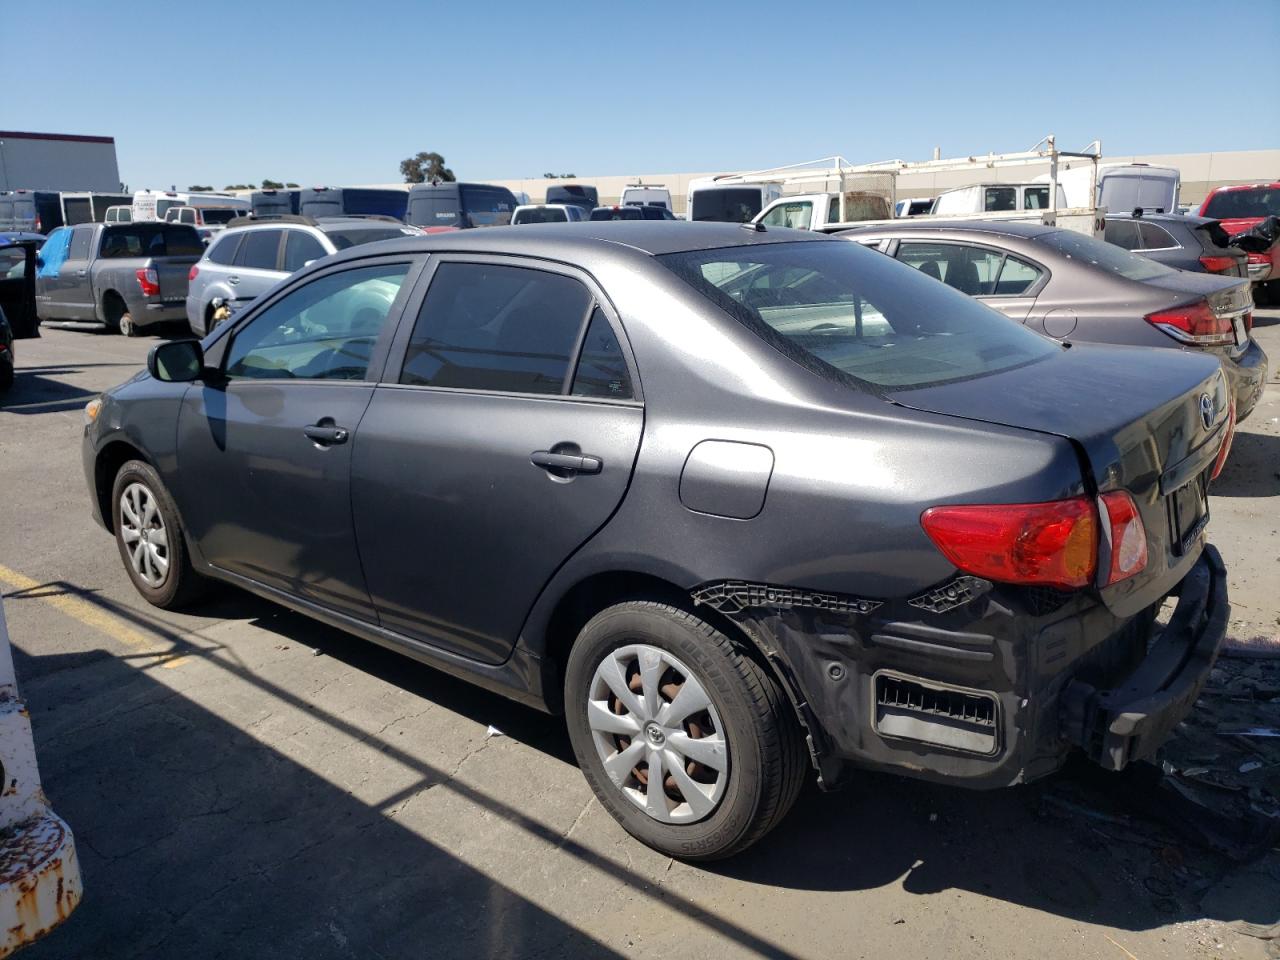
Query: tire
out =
(762, 750)
(126, 325)
(178, 584)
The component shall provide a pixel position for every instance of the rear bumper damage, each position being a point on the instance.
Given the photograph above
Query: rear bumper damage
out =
(979, 684)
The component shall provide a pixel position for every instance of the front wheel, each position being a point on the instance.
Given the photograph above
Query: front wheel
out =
(149, 536)
(688, 742)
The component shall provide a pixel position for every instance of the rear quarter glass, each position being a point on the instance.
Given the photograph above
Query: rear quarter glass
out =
(843, 310)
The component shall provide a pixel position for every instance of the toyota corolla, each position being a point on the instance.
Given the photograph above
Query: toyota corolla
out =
(740, 503)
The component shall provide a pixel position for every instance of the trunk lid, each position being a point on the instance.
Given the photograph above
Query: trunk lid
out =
(173, 275)
(1135, 417)
(1230, 298)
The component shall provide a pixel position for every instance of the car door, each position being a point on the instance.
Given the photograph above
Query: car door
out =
(264, 450)
(503, 437)
(999, 279)
(71, 290)
(256, 268)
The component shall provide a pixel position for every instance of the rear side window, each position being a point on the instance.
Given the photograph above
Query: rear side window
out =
(1000, 198)
(259, 250)
(1123, 233)
(602, 368)
(224, 248)
(490, 327)
(1155, 237)
(300, 247)
(839, 308)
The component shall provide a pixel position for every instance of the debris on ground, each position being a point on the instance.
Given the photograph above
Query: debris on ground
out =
(1259, 647)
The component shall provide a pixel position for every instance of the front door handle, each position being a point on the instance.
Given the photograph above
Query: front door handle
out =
(233, 280)
(82, 273)
(568, 463)
(326, 434)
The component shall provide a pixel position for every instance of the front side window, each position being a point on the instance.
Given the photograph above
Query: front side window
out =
(839, 307)
(797, 215)
(494, 327)
(300, 248)
(324, 330)
(80, 243)
(224, 248)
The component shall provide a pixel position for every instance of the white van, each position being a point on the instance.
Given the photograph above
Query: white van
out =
(1122, 187)
(154, 204)
(996, 198)
(729, 202)
(639, 195)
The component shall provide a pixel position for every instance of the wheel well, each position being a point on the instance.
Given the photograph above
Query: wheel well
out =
(113, 306)
(598, 592)
(110, 459)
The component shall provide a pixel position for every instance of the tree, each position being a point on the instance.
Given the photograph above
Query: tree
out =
(291, 185)
(425, 168)
(272, 185)
(196, 188)
(561, 176)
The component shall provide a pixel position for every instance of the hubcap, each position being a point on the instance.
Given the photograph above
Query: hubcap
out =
(143, 534)
(658, 734)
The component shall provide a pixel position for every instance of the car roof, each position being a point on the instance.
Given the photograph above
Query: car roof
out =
(1275, 184)
(1189, 219)
(1008, 228)
(587, 240)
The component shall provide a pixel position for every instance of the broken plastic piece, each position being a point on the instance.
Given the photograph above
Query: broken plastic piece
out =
(952, 594)
(732, 596)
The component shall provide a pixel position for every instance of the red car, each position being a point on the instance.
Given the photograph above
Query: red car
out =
(1241, 208)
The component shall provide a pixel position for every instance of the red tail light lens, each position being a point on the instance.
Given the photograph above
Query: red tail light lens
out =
(1128, 536)
(193, 272)
(148, 282)
(1259, 257)
(1218, 264)
(1195, 324)
(1225, 449)
(1052, 544)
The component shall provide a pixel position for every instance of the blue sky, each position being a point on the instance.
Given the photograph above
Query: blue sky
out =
(335, 93)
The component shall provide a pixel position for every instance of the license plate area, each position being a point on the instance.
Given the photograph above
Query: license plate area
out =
(1188, 508)
(1242, 334)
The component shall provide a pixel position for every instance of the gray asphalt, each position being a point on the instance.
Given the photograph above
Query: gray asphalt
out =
(245, 782)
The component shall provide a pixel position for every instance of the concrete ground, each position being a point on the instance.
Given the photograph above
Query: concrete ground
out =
(245, 782)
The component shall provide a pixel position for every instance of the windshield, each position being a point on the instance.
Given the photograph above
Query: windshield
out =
(858, 312)
(353, 237)
(220, 214)
(1104, 256)
(541, 215)
(727, 204)
(1241, 204)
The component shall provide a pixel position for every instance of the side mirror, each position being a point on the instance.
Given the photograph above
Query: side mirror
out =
(178, 361)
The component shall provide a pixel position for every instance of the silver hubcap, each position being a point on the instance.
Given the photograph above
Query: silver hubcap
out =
(658, 734)
(143, 533)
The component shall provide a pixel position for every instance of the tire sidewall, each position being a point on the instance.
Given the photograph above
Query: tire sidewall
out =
(135, 471)
(628, 624)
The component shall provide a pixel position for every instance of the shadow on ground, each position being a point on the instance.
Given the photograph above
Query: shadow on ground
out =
(200, 840)
(1253, 467)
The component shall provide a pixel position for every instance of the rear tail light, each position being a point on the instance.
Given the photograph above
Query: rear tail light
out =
(1259, 258)
(1225, 449)
(1128, 537)
(193, 272)
(1195, 323)
(148, 281)
(1218, 264)
(1051, 544)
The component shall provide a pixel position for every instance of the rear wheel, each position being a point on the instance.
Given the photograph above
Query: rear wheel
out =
(126, 325)
(150, 538)
(689, 743)
(116, 312)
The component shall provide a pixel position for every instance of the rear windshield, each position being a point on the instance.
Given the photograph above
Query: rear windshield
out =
(487, 206)
(354, 236)
(834, 305)
(541, 215)
(1105, 256)
(617, 213)
(727, 205)
(1239, 204)
(220, 214)
(150, 239)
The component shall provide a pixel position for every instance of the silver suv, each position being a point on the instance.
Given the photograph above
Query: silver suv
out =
(251, 256)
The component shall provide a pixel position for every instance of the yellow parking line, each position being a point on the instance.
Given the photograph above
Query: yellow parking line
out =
(89, 614)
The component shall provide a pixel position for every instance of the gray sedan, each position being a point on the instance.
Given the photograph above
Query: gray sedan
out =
(739, 503)
(1074, 288)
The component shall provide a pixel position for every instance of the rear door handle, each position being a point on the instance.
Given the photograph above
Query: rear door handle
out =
(326, 434)
(581, 463)
(82, 273)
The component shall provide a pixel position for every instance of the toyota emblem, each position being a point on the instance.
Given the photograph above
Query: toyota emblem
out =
(1206, 410)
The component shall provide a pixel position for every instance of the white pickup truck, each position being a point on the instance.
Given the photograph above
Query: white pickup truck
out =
(39, 872)
(824, 211)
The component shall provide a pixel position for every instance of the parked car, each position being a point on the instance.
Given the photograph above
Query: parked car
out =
(635, 212)
(251, 256)
(1241, 208)
(353, 202)
(579, 194)
(35, 211)
(126, 276)
(1198, 244)
(1121, 187)
(735, 501)
(548, 213)
(1072, 287)
(41, 884)
(18, 284)
(119, 213)
(203, 216)
(440, 207)
(272, 202)
(154, 204)
(641, 195)
(729, 203)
